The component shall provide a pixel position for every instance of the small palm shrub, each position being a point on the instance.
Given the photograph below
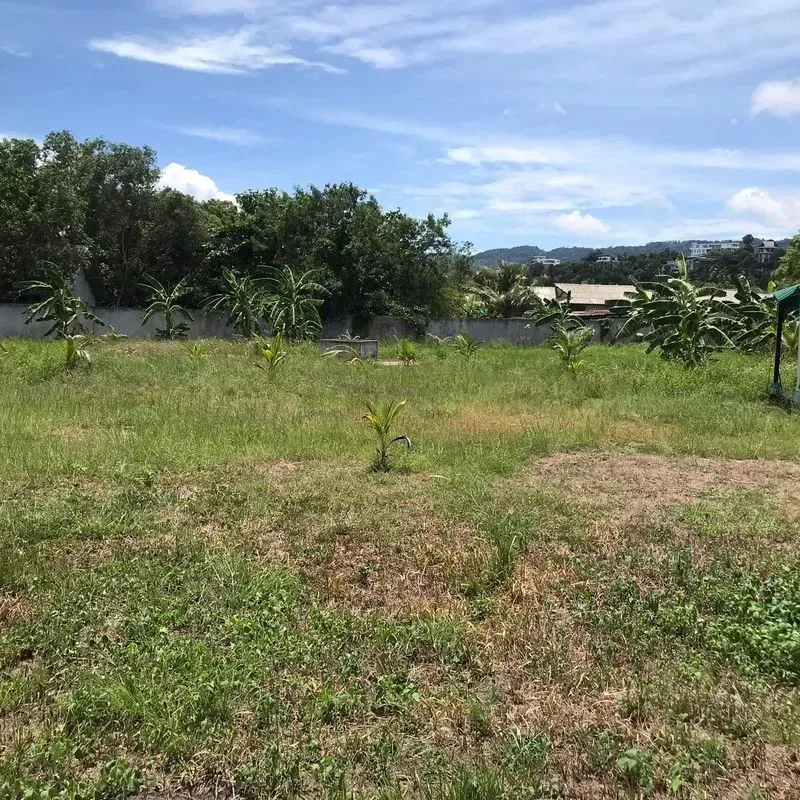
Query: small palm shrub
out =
(791, 339)
(407, 352)
(569, 343)
(196, 352)
(466, 346)
(272, 355)
(381, 417)
(346, 352)
(166, 301)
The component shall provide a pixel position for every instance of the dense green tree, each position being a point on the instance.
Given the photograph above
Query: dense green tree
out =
(42, 209)
(175, 241)
(18, 197)
(788, 271)
(95, 204)
(120, 185)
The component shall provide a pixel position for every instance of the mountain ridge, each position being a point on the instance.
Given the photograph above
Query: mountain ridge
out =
(522, 254)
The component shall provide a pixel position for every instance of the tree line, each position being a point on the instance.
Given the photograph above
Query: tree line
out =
(96, 206)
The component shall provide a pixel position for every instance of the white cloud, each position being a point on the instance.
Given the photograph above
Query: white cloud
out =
(227, 53)
(378, 57)
(774, 209)
(13, 50)
(190, 181)
(552, 108)
(652, 41)
(465, 213)
(237, 136)
(779, 98)
(604, 151)
(666, 40)
(584, 226)
(207, 8)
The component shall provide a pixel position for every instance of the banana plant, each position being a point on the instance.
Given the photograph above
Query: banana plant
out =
(272, 355)
(69, 314)
(293, 302)
(166, 301)
(381, 417)
(686, 323)
(77, 354)
(242, 301)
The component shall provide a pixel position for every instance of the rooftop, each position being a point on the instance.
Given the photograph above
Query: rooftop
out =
(595, 294)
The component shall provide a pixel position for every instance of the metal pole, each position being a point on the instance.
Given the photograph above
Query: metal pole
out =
(776, 390)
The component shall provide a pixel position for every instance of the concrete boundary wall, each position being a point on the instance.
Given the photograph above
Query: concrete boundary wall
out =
(127, 322)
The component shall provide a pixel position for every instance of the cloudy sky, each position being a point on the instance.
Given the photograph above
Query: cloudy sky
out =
(546, 122)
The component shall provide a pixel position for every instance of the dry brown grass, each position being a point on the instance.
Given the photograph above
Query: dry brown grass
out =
(626, 485)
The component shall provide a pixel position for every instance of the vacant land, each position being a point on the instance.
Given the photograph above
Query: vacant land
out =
(567, 588)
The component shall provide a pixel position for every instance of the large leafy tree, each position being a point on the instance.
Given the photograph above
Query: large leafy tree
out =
(18, 172)
(175, 241)
(788, 271)
(42, 209)
(120, 186)
(95, 204)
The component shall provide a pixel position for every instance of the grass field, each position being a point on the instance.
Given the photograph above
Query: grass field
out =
(566, 589)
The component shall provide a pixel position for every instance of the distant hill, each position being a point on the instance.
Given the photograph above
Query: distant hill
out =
(524, 253)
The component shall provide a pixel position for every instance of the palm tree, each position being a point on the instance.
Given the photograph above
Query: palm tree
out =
(242, 301)
(293, 303)
(165, 301)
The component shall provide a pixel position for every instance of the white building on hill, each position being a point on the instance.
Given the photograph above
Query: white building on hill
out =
(546, 262)
(702, 249)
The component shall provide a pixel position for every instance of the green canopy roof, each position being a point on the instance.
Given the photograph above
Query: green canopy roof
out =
(790, 296)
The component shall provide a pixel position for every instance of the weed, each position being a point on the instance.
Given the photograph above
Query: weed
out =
(527, 757)
(635, 769)
(196, 352)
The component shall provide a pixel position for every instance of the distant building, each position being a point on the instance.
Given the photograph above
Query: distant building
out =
(765, 250)
(546, 262)
(607, 260)
(702, 249)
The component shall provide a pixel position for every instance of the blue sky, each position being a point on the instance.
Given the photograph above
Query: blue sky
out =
(544, 122)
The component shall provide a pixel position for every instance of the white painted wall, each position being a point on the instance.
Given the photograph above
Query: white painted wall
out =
(127, 322)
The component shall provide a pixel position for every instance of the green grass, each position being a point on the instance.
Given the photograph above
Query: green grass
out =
(566, 588)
